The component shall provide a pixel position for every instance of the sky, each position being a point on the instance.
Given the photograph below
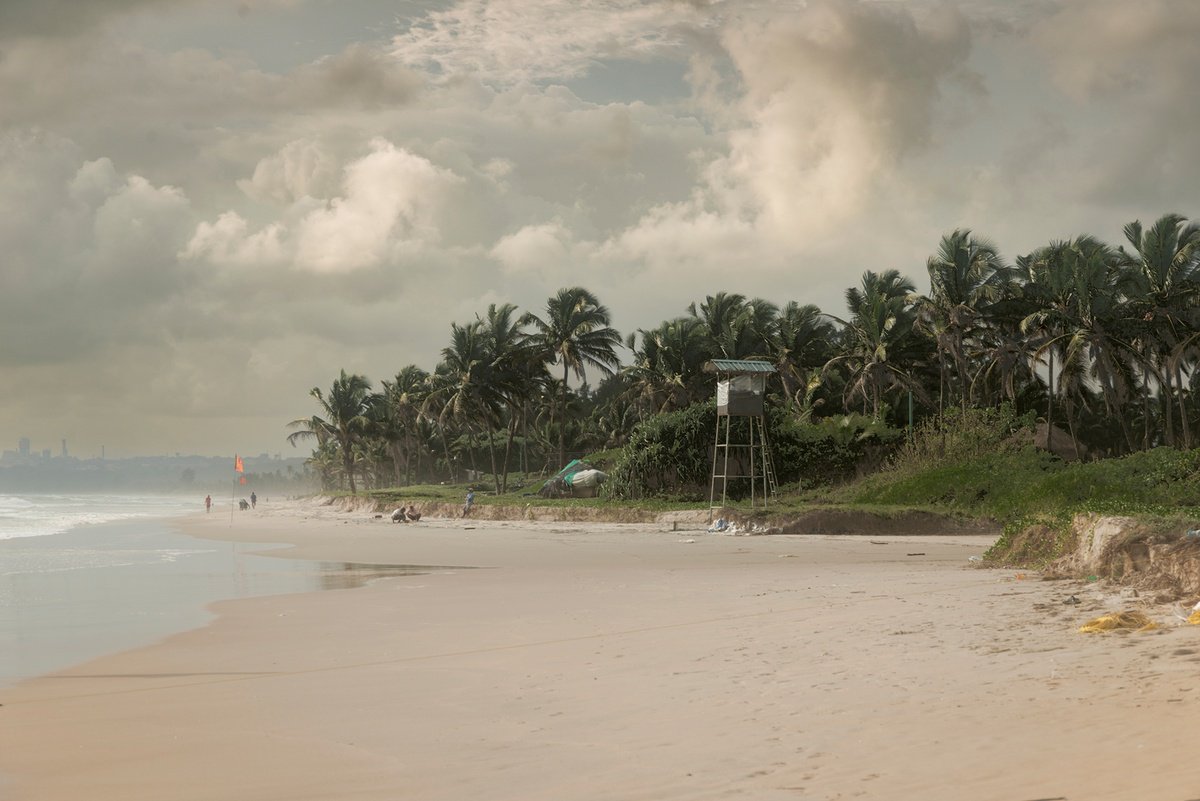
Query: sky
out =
(209, 207)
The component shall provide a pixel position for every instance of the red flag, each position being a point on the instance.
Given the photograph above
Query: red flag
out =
(237, 464)
(242, 480)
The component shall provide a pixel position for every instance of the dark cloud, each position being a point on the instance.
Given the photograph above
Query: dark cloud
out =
(19, 18)
(360, 76)
(201, 221)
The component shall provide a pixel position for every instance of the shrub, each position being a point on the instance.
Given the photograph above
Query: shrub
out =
(671, 454)
(830, 450)
(963, 435)
(666, 454)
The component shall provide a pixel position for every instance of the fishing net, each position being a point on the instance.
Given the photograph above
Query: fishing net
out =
(1119, 621)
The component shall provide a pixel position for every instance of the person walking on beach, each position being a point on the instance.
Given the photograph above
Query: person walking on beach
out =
(470, 502)
(253, 501)
(208, 503)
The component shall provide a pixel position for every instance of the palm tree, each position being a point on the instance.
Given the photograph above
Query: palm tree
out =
(514, 371)
(345, 409)
(717, 314)
(1163, 282)
(1048, 284)
(667, 368)
(962, 277)
(404, 397)
(736, 328)
(881, 348)
(802, 344)
(466, 394)
(576, 334)
(1079, 316)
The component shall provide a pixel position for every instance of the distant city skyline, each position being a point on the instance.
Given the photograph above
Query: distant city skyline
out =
(209, 208)
(27, 448)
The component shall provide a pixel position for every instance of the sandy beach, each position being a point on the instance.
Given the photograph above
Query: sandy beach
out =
(601, 661)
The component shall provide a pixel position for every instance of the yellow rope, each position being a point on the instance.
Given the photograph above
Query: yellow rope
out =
(1136, 621)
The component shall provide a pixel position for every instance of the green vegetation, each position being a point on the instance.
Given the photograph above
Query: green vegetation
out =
(982, 463)
(670, 455)
(977, 463)
(927, 402)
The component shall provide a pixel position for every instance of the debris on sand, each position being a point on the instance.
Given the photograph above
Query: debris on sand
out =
(1119, 621)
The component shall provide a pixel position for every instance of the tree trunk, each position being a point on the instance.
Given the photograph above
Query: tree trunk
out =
(416, 463)
(512, 433)
(1166, 398)
(1050, 402)
(961, 369)
(942, 383)
(1070, 413)
(525, 437)
(491, 431)
(1183, 420)
(562, 420)
(396, 450)
(348, 466)
(446, 449)
(1145, 410)
(1147, 371)
(474, 447)
(1111, 406)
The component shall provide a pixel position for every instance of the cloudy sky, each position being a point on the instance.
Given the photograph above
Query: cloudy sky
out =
(208, 207)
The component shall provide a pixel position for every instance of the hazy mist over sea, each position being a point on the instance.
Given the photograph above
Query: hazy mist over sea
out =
(180, 475)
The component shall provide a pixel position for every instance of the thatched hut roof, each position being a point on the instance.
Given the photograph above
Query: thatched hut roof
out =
(1058, 442)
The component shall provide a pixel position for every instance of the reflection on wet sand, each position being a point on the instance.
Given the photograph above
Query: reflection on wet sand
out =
(348, 575)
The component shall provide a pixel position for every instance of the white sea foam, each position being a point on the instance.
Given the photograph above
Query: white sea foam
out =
(42, 515)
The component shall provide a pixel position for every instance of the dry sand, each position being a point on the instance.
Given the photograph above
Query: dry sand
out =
(564, 661)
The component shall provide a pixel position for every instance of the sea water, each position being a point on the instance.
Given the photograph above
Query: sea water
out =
(85, 575)
(44, 514)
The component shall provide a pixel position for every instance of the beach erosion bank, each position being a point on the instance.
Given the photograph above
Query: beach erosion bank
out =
(532, 660)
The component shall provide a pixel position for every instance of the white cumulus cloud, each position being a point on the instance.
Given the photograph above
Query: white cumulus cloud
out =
(390, 197)
(389, 205)
(509, 41)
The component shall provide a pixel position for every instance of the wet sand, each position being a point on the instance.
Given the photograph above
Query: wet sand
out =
(568, 661)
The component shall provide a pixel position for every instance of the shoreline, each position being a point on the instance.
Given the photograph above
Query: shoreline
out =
(618, 662)
(99, 588)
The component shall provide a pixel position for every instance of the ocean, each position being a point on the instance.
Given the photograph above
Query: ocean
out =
(86, 575)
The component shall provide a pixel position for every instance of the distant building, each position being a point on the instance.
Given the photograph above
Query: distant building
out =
(23, 446)
(64, 453)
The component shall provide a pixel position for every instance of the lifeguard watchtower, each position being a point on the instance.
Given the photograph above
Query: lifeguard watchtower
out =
(741, 390)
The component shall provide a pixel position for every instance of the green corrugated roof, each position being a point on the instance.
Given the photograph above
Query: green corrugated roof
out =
(739, 366)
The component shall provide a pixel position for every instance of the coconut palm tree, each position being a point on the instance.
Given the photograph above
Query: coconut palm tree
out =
(575, 333)
(466, 395)
(404, 396)
(881, 349)
(345, 410)
(803, 341)
(666, 371)
(514, 370)
(1048, 285)
(736, 328)
(1163, 283)
(1079, 317)
(716, 313)
(962, 276)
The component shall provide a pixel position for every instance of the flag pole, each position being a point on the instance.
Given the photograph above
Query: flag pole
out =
(238, 470)
(233, 489)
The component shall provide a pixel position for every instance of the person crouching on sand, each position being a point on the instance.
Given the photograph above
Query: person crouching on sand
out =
(412, 514)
